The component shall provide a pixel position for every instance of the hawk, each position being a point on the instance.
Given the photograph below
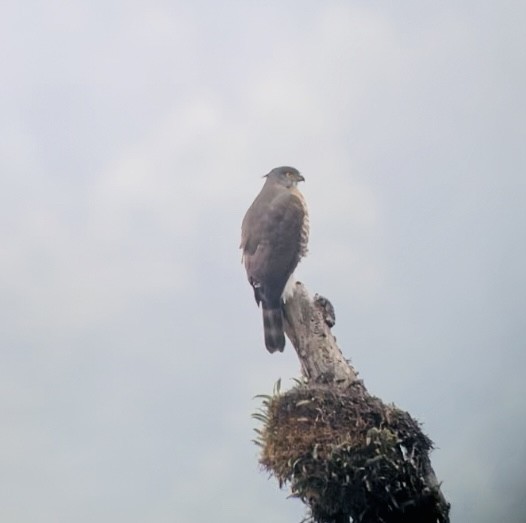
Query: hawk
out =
(274, 236)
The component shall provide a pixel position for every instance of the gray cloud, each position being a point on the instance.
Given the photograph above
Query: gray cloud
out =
(132, 141)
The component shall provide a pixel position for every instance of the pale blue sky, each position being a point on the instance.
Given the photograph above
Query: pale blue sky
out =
(134, 136)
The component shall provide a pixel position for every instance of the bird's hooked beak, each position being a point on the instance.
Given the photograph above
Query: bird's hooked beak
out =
(300, 178)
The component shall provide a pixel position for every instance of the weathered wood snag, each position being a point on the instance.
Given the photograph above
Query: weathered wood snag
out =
(345, 453)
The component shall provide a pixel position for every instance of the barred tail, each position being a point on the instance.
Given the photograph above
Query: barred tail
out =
(273, 329)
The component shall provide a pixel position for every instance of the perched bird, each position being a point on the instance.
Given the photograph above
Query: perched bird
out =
(274, 236)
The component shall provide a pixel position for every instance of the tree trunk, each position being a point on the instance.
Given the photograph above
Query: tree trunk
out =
(345, 453)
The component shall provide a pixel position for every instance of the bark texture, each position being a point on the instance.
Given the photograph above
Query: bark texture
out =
(308, 325)
(344, 453)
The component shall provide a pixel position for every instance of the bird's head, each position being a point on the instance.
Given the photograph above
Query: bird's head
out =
(287, 176)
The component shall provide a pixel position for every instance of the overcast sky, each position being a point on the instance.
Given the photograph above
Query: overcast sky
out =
(133, 136)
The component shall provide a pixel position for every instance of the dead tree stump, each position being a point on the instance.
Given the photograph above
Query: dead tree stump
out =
(344, 453)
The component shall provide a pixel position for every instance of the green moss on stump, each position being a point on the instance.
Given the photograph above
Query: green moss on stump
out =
(347, 455)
